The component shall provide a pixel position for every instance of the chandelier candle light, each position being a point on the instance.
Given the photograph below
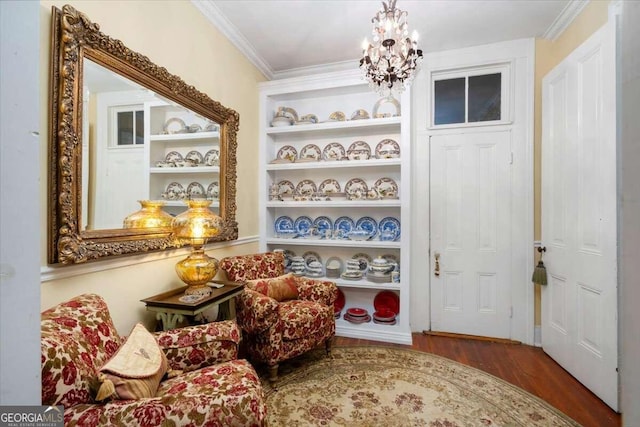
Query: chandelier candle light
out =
(195, 226)
(390, 62)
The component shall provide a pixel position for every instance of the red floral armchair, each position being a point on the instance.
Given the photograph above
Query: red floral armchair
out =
(214, 388)
(276, 331)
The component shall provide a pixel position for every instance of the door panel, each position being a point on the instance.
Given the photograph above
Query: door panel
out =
(579, 305)
(470, 230)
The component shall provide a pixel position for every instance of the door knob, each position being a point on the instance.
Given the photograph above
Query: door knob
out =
(436, 270)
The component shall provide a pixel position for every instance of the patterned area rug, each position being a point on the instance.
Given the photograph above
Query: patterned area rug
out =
(383, 386)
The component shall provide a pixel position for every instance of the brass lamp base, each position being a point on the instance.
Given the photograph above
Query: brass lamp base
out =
(197, 270)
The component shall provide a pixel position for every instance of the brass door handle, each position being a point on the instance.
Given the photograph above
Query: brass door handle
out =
(436, 270)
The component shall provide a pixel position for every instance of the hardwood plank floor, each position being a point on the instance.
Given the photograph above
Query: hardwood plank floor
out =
(524, 366)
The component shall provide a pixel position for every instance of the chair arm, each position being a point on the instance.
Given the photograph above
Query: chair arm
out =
(256, 312)
(195, 347)
(322, 291)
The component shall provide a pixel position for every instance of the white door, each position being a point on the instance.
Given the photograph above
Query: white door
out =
(579, 304)
(470, 233)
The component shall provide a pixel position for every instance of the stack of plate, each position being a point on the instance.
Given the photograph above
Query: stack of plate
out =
(314, 269)
(357, 315)
(384, 317)
(353, 271)
(297, 265)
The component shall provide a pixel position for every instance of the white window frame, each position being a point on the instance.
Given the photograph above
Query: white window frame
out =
(504, 69)
(113, 125)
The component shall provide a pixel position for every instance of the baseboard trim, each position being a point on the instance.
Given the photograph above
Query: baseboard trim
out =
(471, 337)
(537, 336)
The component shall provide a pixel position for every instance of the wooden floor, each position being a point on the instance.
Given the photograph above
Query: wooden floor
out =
(524, 366)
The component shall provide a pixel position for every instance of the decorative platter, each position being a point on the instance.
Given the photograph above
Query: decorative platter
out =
(364, 260)
(334, 151)
(338, 305)
(283, 223)
(386, 188)
(213, 190)
(194, 128)
(329, 186)
(303, 225)
(174, 125)
(390, 224)
(287, 112)
(322, 225)
(360, 114)
(334, 266)
(356, 188)
(387, 149)
(287, 153)
(306, 187)
(174, 191)
(343, 225)
(311, 256)
(211, 127)
(357, 320)
(307, 119)
(387, 300)
(195, 157)
(368, 224)
(310, 152)
(384, 315)
(392, 259)
(195, 190)
(337, 116)
(212, 158)
(286, 188)
(351, 275)
(359, 150)
(173, 156)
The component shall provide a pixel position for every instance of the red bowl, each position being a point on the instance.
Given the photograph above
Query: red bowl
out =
(357, 312)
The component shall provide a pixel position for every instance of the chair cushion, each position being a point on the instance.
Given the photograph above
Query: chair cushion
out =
(302, 318)
(282, 288)
(135, 371)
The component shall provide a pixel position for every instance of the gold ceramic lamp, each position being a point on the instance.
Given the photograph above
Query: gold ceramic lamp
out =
(195, 226)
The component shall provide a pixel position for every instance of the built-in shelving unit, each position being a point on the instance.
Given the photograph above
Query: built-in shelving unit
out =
(322, 95)
(160, 142)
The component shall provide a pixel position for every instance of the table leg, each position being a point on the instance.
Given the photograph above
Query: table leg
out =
(169, 320)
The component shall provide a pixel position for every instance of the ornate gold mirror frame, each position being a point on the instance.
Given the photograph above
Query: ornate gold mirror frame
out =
(74, 38)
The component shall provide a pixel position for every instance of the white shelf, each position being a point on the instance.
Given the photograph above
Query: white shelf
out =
(199, 169)
(334, 242)
(337, 164)
(374, 331)
(184, 136)
(392, 203)
(381, 125)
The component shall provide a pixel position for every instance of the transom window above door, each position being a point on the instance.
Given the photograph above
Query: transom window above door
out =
(470, 97)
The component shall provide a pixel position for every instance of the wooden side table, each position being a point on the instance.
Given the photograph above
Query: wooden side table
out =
(170, 310)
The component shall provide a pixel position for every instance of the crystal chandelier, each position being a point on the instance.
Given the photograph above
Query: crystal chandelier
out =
(390, 61)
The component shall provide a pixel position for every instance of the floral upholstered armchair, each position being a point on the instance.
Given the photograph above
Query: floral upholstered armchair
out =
(212, 388)
(281, 316)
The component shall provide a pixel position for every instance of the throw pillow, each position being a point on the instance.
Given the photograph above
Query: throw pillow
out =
(280, 288)
(135, 371)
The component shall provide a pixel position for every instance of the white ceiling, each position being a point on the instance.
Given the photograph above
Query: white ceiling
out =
(280, 37)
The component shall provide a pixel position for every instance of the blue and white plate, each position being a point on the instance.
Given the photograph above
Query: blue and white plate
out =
(390, 224)
(343, 226)
(283, 224)
(368, 224)
(302, 225)
(322, 224)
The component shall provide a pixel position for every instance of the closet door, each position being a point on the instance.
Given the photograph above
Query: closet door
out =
(579, 304)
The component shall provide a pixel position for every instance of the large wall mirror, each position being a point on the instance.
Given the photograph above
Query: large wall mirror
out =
(124, 129)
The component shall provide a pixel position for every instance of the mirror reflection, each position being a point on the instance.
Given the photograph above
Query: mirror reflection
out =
(138, 145)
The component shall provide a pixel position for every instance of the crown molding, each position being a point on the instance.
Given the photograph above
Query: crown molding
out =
(564, 19)
(348, 65)
(217, 18)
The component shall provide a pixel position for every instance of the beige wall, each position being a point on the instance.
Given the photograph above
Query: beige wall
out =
(175, 35)
(548, 55)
